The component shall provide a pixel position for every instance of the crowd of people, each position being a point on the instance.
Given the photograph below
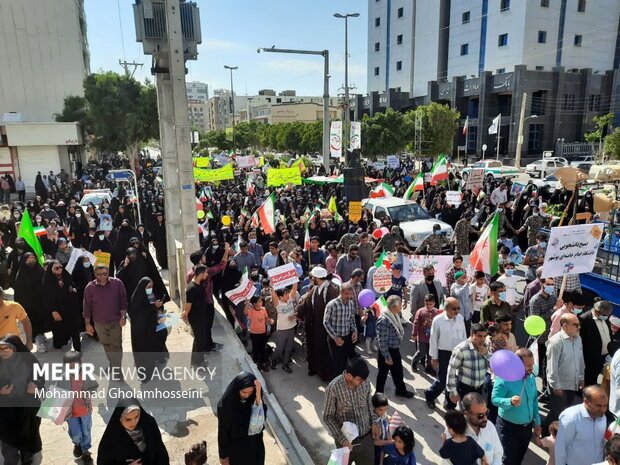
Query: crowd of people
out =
(457, 321)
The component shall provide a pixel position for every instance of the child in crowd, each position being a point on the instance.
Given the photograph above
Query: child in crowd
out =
(460, 449)
(369, 320)
(381, 426)
(197, 455)
(421, 333)
(79, 415)
(285, 301)
(496, 340)
(258, 317)
(479, 289)
(401, 451)
(548, 442)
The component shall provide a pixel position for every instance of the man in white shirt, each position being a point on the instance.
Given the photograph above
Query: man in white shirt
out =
(480, 429)
(499, 195)
(479, 290)
(510, 283)
(614, 379)
(447, 331)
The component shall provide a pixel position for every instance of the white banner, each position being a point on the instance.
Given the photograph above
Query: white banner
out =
(283, 276)
(356, 135)
(475, 179)
(571, 249)
(244, 291)
(246, 162)
(413, 266)
(393, 161)
(453, 198)
(335, 139)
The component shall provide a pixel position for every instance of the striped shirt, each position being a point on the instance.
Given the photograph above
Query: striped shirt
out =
(387, 336)
(467, 366)
(339, 318)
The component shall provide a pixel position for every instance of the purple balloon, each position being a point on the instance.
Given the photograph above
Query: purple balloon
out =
(507, 365)
(366, 298)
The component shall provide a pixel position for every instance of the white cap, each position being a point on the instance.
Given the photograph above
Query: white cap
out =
(614, 320)
(318, 272)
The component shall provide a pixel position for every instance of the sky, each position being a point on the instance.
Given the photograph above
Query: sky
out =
(232, 30)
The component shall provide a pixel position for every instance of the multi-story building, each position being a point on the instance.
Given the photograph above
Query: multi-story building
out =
(44, 56)
(482, 56)
(197, 91)
(199, 114)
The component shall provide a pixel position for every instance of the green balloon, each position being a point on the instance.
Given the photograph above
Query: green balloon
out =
(534, 325)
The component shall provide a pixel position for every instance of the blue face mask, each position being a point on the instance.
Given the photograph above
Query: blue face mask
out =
(543, 244)
(510, 272)
(577, 311)
(252, 241)
(602, 317)
(503, 295)
(550, 290)
(535, 370)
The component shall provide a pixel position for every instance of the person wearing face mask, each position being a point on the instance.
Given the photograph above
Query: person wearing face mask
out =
(101, 243)
(534, 257)
(573, 303)
(286, 244)
(255, 248)
(428, 285)
(120, 238)
(509, 280)
(532, 225)
(496, 306)
(596, 334)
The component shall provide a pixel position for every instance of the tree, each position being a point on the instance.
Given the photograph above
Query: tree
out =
(439, 124)
(312, 137)
(600, 123)
(612, 145)
(384, 134)
(212, 139)
(75, 109)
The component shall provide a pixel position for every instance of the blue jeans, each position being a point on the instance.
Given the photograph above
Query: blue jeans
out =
(80, 431)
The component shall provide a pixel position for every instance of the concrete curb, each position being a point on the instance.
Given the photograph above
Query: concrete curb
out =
(277, 422)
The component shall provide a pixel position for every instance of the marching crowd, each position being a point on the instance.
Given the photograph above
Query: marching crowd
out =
(457, 321)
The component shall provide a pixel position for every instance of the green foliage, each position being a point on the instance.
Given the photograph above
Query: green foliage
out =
(439, 125)
(75, 109)
(213, 139)
(600, 122)
(612, 145)
(384, 134)
(312, 138)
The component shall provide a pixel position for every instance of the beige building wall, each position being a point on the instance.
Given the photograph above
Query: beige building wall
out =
(303, 112)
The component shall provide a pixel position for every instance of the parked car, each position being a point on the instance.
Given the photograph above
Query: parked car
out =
(546, 166)
(414, 220)
(96, 196)
(583, 163)
(493, 169)
(551, 181)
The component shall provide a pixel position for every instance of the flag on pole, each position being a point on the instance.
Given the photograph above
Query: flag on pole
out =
(416, 185)
(484, 255)
(383, 260)
(332, 207)
(40, 231)
(244, 213)
(439, 172)
(337, 217)
(266, 215)
(307, 234)
(26, 232)
(380, 306)
(382, 190)
(249, 186)
(254, 220)
(466, 126)
(495, 126)
(395, 422)
(339, 456)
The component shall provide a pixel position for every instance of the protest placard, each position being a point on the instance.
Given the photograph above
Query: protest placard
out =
(475, 180)
(219, 174)
(283, 176)
(355, 211)
(413, 266)
(571, 249)
(75, 254)
(202, 162)
(244, 291)
(56, 405)
(169, 320)
(382, 280)
(516, 188)
(105, 222)
(393, 161)
(453, 198)
(282, 276)
(246, 162)
(102, 258)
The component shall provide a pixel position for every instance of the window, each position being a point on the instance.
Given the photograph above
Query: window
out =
(540, 68)
(568, 102)
(278, 100)
(399, 39)
(377, 22)
(466, 16)
(581, 6)
(400, 12)
(502, 40)
(534, 140)
(376, 71)
(399, 65)
(504, 5)
(594, 103)
(500, 71)
(539, 100)
(578, 40)
(380, 212)
(377, 46)
(544, 3)
(542, 37)
(464, 49)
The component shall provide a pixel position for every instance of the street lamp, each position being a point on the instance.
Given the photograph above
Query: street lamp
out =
(232, 101)
(345, 141)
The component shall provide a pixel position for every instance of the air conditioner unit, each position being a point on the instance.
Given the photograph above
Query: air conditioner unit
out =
(151, 30)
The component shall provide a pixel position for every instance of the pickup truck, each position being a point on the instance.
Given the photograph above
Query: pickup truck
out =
(493, 169)
(546, 166)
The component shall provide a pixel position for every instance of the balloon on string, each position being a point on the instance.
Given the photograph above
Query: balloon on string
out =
(385, 230)
(200, 214)
(507, 365)
(366, 298)
(534, 325)
(226, 220)
(377, 234)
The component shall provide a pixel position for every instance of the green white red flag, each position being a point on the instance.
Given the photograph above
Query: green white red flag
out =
(484, 256)
(380, 306)
(416, 185)
(382, 190)
(249, 186)
(383, 260)
(266, 215)
(439, 172)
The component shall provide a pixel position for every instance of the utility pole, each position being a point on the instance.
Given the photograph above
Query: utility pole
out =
(345, 132)
(325, 55)
(232, 100)
(127, 64)
(520, 136)
(499, 130)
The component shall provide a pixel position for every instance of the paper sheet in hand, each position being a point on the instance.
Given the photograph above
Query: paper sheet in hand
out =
(572, 249)
(171, 319)
(75, 254)
(283, 276)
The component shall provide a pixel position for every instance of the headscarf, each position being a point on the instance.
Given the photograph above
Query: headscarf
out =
(139, 302)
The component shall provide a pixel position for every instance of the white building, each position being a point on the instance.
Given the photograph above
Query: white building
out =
(416, 41)
(197, 91)
(44, 56)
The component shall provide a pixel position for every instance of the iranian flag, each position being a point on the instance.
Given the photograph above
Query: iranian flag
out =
(383, 260)
(40, 231)
(484, 255)
(254, 220)
(249, 187)
(382, 190)
(307, 235)
(416, 185)
(380, 306)
(266, 215)
(439, 172)
(209, 215)
(466, 126)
